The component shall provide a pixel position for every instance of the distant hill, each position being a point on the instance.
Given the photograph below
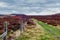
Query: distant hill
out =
(18, 14)
(49, 19)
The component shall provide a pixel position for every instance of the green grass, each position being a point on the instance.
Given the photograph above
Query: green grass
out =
(50, 29)
(22, 38)
(46, 34)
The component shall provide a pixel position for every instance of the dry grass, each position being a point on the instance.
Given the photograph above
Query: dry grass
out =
(35, 34)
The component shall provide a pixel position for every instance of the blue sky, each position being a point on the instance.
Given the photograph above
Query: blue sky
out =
(30, 7)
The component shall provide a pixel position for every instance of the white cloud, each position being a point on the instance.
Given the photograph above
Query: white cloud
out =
(57, 3)
(8, 13)
(52, 5)
(49, 11)
(55, 10)
(7, 5)
(36, 1)
(42, 13)
(14, 11)
(3, 4)
(32, 7)
(5, 13)
(30, 1)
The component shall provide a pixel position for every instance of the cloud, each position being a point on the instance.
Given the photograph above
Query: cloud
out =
(8, 12)
(3, 4)
(38, 7)
(49, 11)
(52, 5)
(36, 1)
(1, 12)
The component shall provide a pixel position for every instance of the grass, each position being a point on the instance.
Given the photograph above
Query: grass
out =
(51, 29)
(37, 33)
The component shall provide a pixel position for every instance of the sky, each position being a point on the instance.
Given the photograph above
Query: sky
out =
(30, 7)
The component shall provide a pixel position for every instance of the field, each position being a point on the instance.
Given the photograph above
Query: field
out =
(42, 31)
(30, 29)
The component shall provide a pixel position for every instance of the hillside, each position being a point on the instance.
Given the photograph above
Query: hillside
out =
(49, 19)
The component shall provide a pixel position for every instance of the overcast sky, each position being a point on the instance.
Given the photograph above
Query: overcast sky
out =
(30, 7)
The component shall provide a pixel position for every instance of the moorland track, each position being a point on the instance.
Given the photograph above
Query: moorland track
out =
(53, 31)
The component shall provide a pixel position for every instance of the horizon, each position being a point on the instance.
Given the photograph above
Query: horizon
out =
(27, 15)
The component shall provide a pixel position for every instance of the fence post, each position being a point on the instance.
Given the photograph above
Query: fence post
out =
(21, 26)
(5, 28)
